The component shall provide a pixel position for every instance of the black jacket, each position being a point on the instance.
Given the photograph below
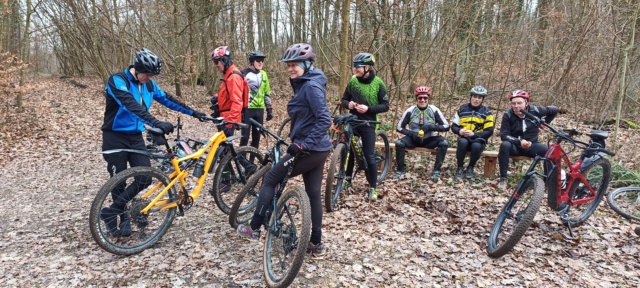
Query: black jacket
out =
(514, 128)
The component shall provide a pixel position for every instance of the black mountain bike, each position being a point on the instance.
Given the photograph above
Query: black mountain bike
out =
(349, 145)
(289, 226)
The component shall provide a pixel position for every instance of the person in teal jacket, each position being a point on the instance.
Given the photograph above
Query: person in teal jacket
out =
(258, 98)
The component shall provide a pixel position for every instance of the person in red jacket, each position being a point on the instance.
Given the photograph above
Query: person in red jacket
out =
(230, 99)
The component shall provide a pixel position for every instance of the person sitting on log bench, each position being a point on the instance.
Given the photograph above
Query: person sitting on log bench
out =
(474, 124)
(424, 121)
(520, 135)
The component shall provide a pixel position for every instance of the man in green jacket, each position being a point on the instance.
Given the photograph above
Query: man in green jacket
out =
(258, 97)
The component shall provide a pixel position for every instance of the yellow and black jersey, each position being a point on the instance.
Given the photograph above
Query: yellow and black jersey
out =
(477, 119)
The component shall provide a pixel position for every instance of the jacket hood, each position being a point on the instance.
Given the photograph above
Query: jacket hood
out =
(315, 75)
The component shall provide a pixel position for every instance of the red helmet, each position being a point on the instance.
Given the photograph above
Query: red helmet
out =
(519, 93)
(422, 90)
(220, 52)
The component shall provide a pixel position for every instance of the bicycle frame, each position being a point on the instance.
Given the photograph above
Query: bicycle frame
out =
(158, 203)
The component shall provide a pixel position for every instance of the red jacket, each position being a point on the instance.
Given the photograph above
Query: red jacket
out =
(230, 95)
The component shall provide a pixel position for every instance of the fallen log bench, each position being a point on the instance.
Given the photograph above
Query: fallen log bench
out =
(490, 157)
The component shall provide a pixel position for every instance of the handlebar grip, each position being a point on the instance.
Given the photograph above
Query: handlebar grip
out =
(607, 152)
(156, 131)
(254, 122)
(241, 125)
(529, 115)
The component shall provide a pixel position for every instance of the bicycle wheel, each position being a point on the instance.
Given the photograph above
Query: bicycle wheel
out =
(285, 127)
(598, 175)
(335, 177)
(626, 202)
(227, 182)
(286, 242)
(515, 217)
(142, 184)
(247, 199)
(383, 156)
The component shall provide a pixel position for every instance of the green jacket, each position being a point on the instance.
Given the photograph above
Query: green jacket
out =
(260, 88)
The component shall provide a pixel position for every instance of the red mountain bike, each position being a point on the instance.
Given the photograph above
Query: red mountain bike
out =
(574, 190)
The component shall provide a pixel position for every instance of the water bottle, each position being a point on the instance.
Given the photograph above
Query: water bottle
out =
(420, 135)
(563, 178)
(199, 169)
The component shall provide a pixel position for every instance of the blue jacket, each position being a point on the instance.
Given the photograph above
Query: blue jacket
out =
(127, 105)
(310, 118)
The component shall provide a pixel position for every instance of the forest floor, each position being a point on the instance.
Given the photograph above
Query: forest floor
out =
(419, 234)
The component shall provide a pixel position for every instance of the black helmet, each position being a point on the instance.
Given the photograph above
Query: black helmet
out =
(147, 62)
(298, 52)
(478, 90)
(365, 59)
(256, 55)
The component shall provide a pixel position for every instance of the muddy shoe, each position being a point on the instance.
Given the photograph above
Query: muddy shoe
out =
(316, 250)
(469, 174)
(398, 175)
(125, 225)
(502, 183)
(110, 218)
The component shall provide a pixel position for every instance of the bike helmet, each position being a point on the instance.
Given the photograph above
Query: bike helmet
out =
(147, 62)
(364, 58)
(298, 53)
(478, 90)
(519, 93)
(421, 90)
(220, 52)
(256, 55)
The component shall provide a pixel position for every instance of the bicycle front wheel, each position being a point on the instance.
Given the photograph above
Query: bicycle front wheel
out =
(515, 217)
(626, 202)
(335, 177)
(287, 238)
(129, 231)
(285, 127)
(232, 174)
(382, 156)
(247, 199)
(598, 176)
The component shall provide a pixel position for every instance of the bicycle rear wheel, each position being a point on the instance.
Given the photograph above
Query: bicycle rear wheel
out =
(287, 238)
(515, 217)
(382, 156)
(335, 177)
(247, 199)
(626, 202)
(136, 187)
(598, 175)
(227, 181)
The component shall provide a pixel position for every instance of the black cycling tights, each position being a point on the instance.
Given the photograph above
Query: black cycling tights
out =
(368, 139)
(311, 168)
(117, 162)
(255, 114)
(509, 149)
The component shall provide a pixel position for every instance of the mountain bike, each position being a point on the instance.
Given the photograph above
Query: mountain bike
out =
(571, 187)
(349, 145)
(151, 198)
(626, 202)
(289, 226)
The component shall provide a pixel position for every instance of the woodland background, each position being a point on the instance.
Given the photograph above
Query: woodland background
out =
(55, 55)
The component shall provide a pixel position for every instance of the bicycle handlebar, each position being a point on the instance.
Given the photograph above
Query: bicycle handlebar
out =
(566, 136)
(353, 120)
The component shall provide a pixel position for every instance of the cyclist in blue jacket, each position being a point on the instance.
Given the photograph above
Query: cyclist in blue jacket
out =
(129, 95)
(310, 120)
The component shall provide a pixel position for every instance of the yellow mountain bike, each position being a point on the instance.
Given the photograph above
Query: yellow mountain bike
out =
(152, 198)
